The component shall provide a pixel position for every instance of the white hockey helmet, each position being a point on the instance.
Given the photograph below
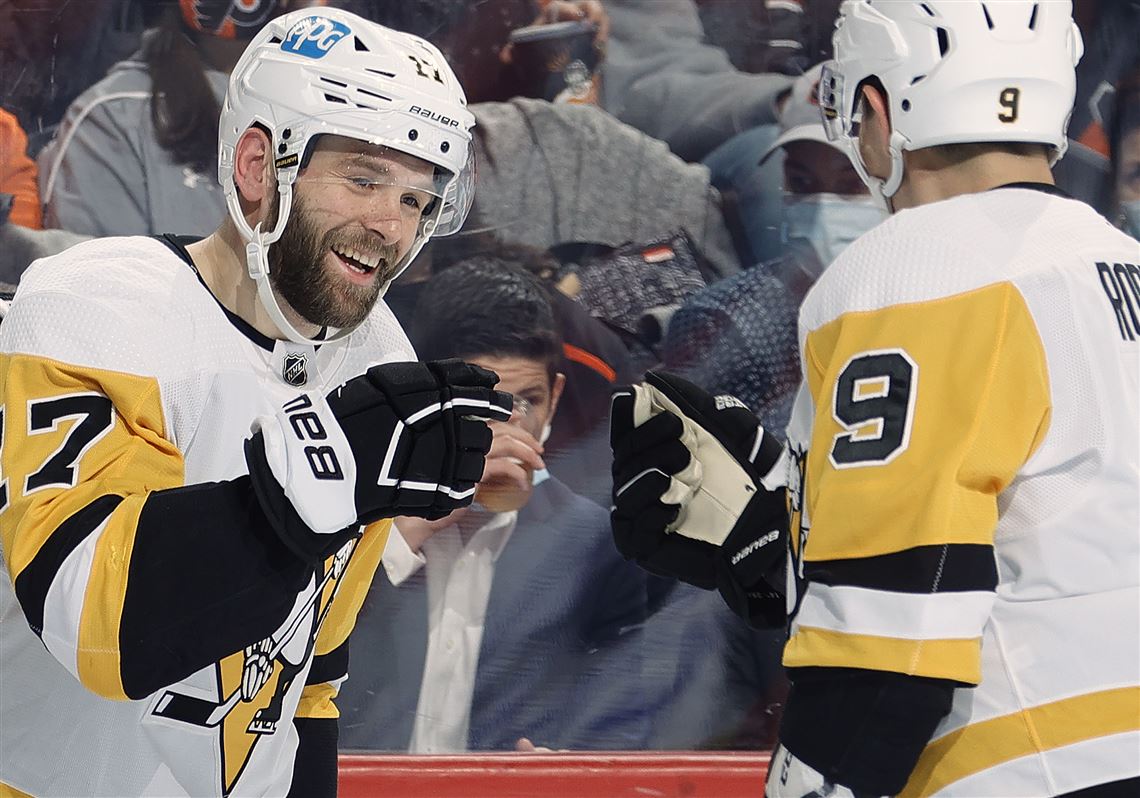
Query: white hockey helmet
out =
(320, 71)
(955, 71)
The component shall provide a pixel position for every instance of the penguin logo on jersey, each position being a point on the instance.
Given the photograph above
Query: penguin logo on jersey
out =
(799, 523)
(294, 369)
(254, 683)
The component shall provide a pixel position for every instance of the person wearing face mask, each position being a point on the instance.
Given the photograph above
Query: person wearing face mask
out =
(825, 205)
(738, 336)
(514, 618)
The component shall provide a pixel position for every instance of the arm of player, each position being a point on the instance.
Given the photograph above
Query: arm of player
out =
(317, 716)
(908, 453)
(699, 493)
(132, 579)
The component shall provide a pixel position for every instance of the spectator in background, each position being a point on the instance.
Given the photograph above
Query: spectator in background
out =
(136, 153)
(739, 336)
(475, 34)
(784, 36)
(594, 359)
(514, 617)
(18, 190)
(21, 240)
(556, 173)
(661, 77)
(551, 174)
(53, 50)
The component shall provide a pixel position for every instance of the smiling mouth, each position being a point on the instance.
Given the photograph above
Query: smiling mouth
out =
(357, 261)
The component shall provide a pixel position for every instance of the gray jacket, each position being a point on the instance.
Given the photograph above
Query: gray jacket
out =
(555, 173)
(662, 78)
(105, 174)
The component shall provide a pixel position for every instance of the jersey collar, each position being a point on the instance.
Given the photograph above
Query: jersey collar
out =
(177, 245)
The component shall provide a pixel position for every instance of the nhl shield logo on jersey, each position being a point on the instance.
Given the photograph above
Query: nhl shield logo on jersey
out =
(294, 369)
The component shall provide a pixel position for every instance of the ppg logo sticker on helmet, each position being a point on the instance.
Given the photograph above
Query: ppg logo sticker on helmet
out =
(313, 37)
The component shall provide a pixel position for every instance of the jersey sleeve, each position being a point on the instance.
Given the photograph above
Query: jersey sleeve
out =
(330, 659)
(132, 579)
(922, 414)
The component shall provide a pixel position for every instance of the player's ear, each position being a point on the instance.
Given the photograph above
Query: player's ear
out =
(875, 131)
(252, 157)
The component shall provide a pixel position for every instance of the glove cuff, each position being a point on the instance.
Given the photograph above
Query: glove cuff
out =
(310, 458)
(751, 563)
(308, 545)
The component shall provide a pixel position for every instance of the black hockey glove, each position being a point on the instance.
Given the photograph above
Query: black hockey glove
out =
(401, 439)
(699, 493)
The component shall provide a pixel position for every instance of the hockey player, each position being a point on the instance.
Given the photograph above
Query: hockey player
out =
(963, 464)
(203, 441)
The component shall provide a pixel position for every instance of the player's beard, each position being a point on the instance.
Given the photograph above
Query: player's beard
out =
(300, 276)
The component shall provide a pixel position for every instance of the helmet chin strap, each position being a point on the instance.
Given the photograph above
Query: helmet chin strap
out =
(881, 190)
(257, 261)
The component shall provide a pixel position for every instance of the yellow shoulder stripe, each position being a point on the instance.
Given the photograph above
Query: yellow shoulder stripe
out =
(989, 743)
(959, 660)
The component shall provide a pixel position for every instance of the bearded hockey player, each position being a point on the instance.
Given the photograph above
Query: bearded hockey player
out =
(963, 463)
(203, 441)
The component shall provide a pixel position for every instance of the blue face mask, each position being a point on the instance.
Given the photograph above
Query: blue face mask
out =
(828, 222)
(1130, 213)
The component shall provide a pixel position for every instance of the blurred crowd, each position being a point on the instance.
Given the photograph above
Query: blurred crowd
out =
(654, 187)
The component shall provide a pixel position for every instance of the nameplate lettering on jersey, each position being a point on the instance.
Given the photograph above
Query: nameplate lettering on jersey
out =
(1121, 284)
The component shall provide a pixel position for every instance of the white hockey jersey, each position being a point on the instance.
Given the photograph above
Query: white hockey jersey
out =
(966, 493)
(130, 547)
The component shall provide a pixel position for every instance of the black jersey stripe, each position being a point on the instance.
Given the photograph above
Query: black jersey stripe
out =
(36, 579)
(329, 667)
(208, 576)
(948, 568)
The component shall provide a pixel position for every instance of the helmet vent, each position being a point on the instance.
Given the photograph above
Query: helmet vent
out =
(380, 72)
(989, 19)
(943, 41)
(332, 98)
(1033, 17)
(275, 40)
(374, 94)
(334, 82)
(926, 8)
(361, 47)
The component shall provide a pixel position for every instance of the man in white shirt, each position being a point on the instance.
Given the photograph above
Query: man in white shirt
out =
(502, 621)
